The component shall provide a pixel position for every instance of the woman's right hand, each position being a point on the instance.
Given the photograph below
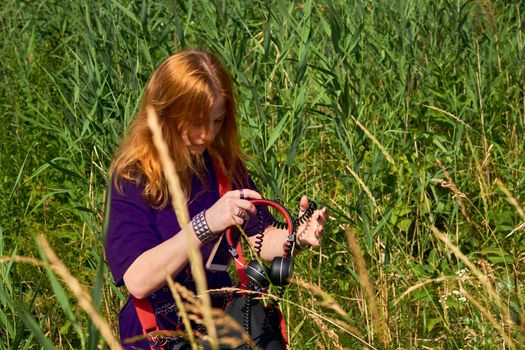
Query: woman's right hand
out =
(231, 209)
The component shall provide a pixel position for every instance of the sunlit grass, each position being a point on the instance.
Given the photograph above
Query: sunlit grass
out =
(405, 118)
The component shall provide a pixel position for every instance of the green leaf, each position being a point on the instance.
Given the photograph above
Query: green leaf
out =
(127, 12)
(431, 323)
(276, 133)
(501, 260)
(60, 294)
(34, 327)
(404, 224)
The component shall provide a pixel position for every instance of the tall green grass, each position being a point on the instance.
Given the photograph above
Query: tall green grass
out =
(405, 118)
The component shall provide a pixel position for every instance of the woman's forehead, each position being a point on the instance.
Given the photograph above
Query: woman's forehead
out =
(218, 108)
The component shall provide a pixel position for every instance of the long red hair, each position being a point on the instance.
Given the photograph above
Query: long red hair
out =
(182, 91)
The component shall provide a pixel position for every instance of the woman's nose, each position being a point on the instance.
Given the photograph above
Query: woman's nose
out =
(203, 134)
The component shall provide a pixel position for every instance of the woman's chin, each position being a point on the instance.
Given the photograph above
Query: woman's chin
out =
(197, 150)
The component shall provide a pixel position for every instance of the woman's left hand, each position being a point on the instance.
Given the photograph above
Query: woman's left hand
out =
(309, 232)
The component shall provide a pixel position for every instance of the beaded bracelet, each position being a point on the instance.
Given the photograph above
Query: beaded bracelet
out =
(201, 228)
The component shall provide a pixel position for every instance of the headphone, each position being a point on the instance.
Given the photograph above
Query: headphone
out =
(281, 270)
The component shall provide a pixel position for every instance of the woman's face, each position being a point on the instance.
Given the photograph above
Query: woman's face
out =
(198, 138)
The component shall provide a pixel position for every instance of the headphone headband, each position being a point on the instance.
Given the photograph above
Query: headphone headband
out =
(281, 209)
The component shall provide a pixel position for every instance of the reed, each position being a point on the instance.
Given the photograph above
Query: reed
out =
(378, 320)
(181, 209)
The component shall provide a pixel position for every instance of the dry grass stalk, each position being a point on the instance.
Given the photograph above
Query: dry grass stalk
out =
(172, 178)
(378, 321)
(186, 294)
(445, 184)
(376, 141)
(190, 309)
(331, 336)
(384, 297)
(480, 100)
(25, 260)
(182, 311)
(491, 318)
(328, 300)
(159, 334)
(457, 194)
(473, 268)
(485, 162)
(319, 345)
(226, 324)
(343, 326)
(82, 296)
(518, 228)
(363, 186)
(422, 284)
(449, 114)
(181, 210)
(511, 198)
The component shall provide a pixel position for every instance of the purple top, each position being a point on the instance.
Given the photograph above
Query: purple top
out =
(134, 227)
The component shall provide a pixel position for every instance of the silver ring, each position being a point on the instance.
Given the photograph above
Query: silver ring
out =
(241, 193)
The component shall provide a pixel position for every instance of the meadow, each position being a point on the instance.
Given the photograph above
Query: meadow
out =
(405, 118)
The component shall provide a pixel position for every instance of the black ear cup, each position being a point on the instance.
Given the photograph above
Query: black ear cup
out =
(279, 274)
(282, 271)
(258, 274)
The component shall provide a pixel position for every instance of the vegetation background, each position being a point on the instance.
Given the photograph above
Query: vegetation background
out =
(405, 118)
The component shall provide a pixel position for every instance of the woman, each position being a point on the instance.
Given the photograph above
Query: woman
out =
(192, 95)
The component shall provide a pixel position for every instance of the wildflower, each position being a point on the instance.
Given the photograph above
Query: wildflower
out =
(443, 299)
(462, 272)
(459, 295)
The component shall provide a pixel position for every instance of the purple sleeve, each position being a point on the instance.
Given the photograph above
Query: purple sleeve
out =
(131, 228)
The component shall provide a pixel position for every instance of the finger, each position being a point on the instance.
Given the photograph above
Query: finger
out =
(322, 216)
(240, 212)
(246, 192)
(238, 220)
(303, 204)
(246, 205)
(314, 242)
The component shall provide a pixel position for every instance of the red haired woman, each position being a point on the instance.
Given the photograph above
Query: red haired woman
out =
(193, 97)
